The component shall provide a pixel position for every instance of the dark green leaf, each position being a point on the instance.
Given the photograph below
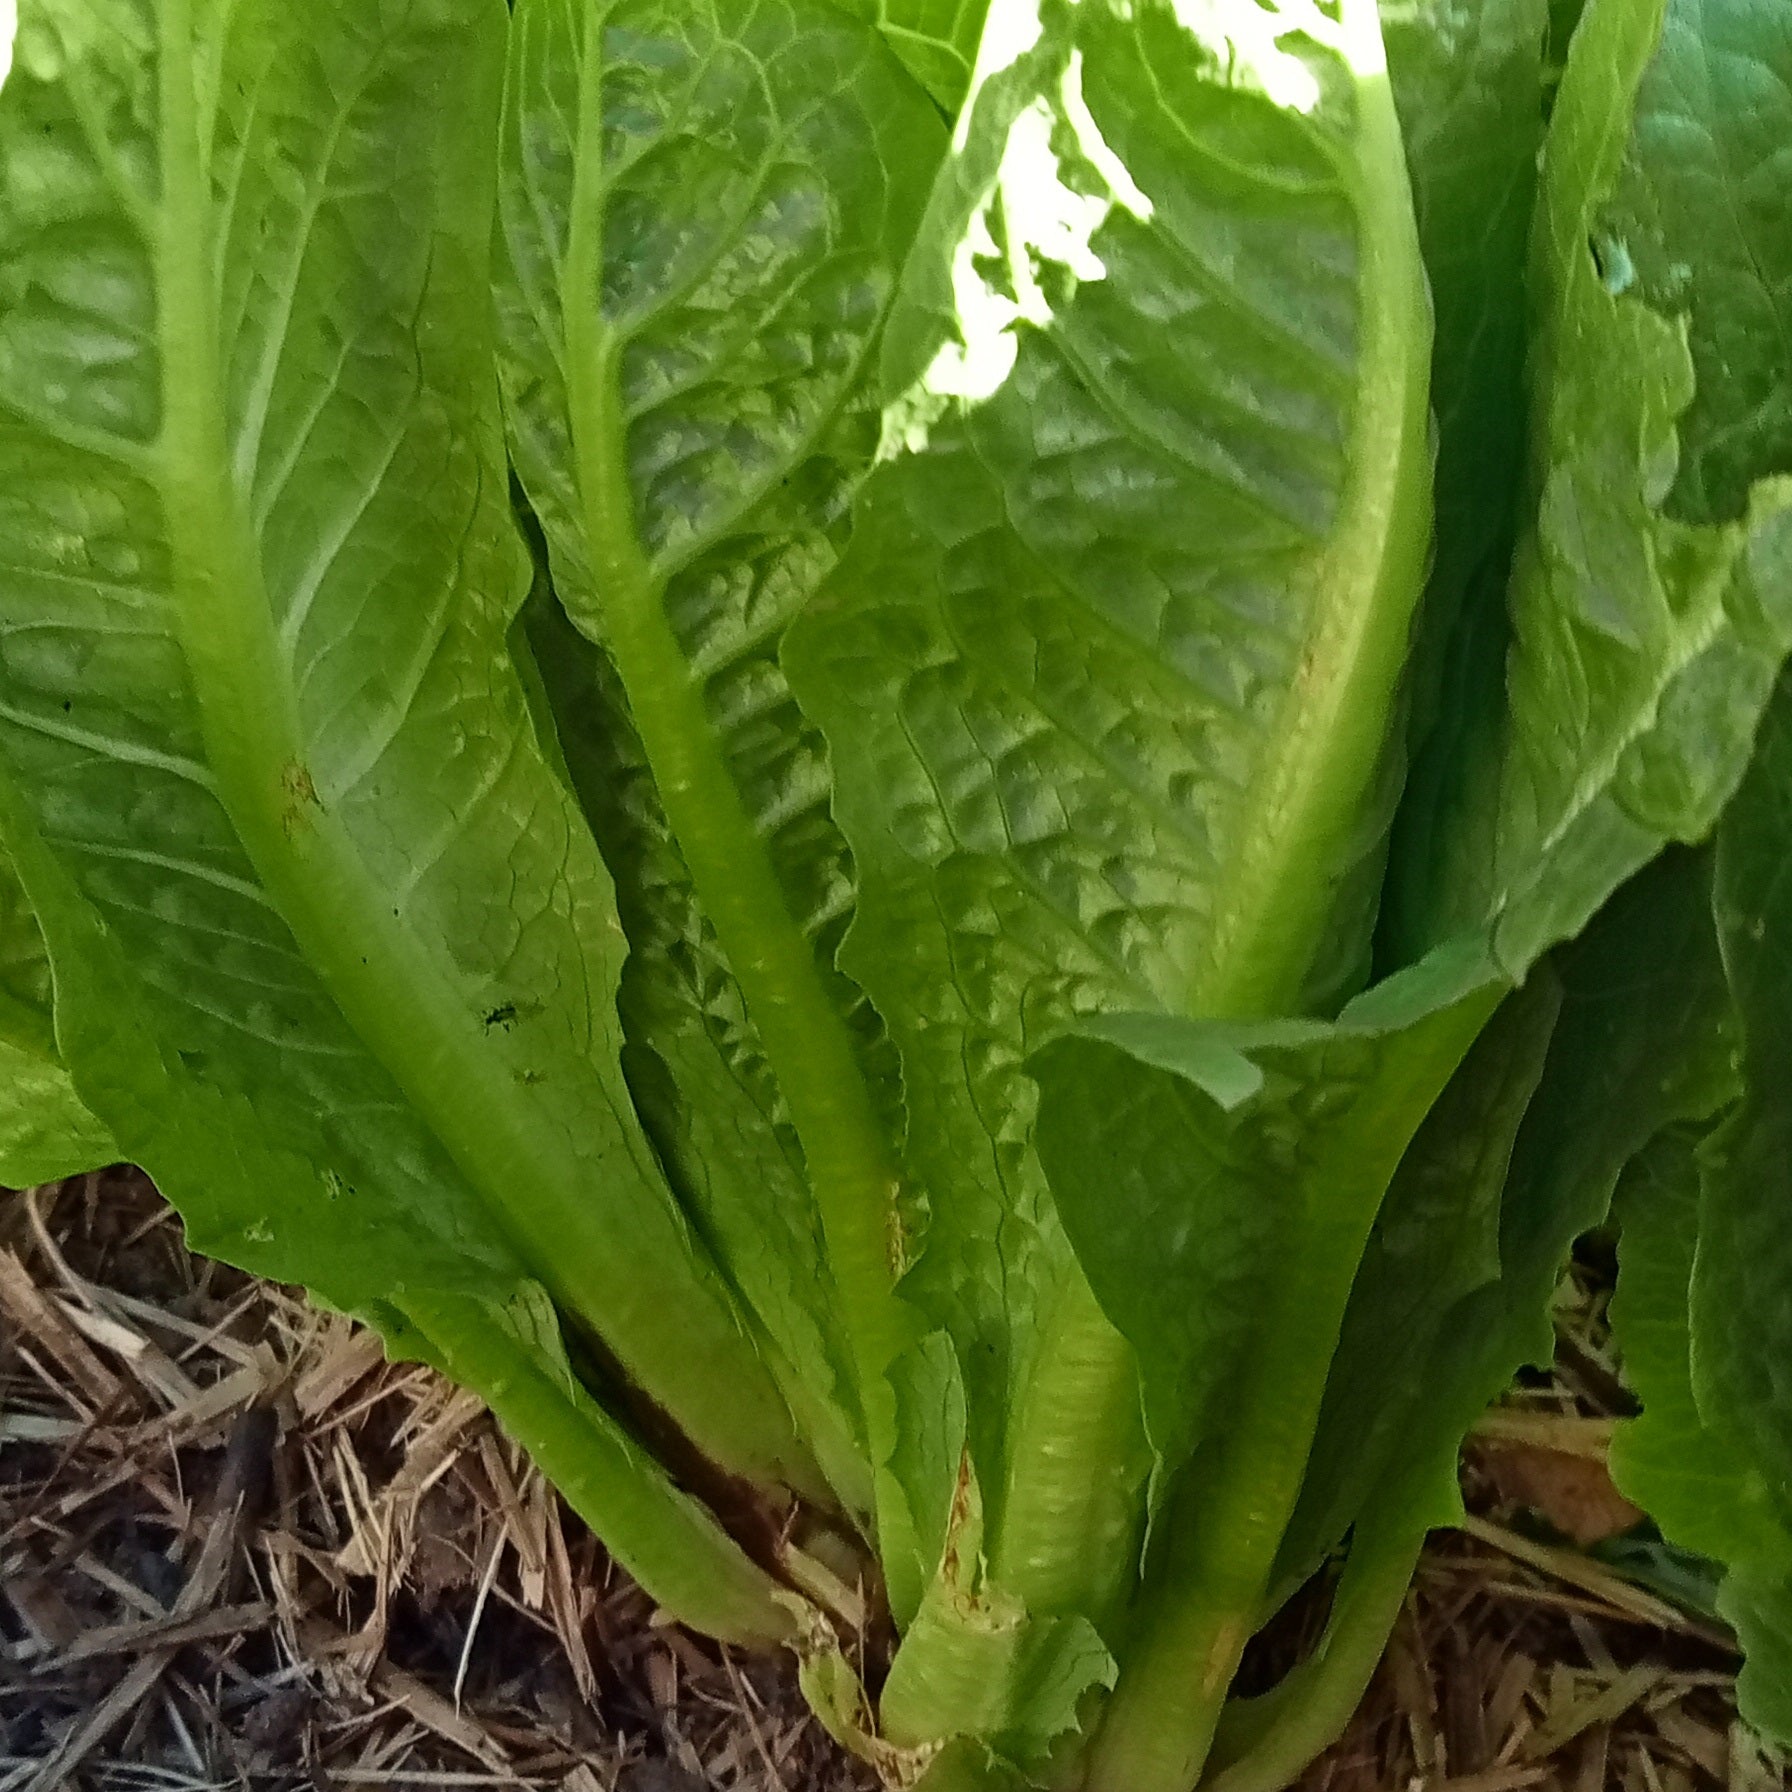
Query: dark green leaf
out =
(1468, 79)
(1644, 645)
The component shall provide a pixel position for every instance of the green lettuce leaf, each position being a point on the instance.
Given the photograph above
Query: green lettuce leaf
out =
(1646, 631)
(704, 213)
(1743, 1335)
(1108, 669)
(1520, 1157)
(1703, 1261)
(695, 1063)
(1113, 645)
(334, 954)
(1697, 1480)
(1468, 79)
(1216, 1181)
(936, 39)
(46, 1132)
(1219, 1186)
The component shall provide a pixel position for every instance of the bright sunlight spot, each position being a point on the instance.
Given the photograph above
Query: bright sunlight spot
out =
(1032, 217)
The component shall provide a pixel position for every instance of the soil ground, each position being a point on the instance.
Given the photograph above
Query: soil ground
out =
(240, 1550)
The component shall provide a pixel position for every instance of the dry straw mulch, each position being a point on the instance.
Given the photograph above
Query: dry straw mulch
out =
(239, 1549)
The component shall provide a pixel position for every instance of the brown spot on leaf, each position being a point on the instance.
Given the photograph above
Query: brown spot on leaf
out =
(300, 796)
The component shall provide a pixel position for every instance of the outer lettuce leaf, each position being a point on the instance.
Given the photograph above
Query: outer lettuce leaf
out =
(1742, 1332)
(1214, 1180)
(45, 1131)
(1114, 643)
(1645, 638)
(695, 1063)
(1219, 1187)
(1697, 1479)
(1716, 109)
(26, 999)
(1584, 610)
(704, 211)
(1700, 1311)
(334, 954)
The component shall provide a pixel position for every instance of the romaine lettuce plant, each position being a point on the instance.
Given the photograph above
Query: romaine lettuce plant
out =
(949, 778)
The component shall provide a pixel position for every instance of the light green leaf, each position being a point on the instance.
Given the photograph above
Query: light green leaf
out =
(334, 954)
(936, 39)
(26, 1002)
(1219, 1192)
(45, 1132)
(1435, 1245)
(1758, 1607)
(1645, 635)
(694, 1060)
(1107, 670)
(1009, 1683)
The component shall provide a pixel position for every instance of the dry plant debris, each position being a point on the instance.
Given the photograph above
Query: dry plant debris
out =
(239, 1549)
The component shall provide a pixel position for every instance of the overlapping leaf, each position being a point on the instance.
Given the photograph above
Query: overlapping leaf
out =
(1700, 1311)
(1697, 1479)
(45, 1131)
